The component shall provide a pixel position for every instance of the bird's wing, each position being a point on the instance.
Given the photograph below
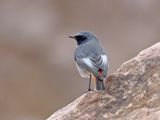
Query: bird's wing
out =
(97, 65)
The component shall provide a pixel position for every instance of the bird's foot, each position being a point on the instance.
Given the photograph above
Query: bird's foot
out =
(90, 89)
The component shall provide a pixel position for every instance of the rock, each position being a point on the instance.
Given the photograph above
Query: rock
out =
(132, 93)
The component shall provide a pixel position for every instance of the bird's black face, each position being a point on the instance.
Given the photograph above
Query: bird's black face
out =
(84, 37)
(79, 38)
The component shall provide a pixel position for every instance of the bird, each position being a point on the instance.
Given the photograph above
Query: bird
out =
(90, 58)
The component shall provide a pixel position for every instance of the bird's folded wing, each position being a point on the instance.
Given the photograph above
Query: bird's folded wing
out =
(93, 64)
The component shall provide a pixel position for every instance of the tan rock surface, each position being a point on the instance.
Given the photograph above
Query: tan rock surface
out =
(132, 93)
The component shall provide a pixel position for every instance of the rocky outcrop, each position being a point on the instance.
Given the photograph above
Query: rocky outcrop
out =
(132, 93)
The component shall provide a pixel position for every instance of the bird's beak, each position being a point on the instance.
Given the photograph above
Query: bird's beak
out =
(72, 36)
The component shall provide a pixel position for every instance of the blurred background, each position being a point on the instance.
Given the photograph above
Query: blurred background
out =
(37, 71)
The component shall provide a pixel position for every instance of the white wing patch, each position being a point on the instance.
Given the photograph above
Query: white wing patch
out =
(104, 59)
(89, 66)
(88, 62)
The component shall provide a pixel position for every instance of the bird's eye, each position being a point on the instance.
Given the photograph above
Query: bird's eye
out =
(80, 37)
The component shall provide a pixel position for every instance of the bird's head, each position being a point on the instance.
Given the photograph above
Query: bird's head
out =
(83, 37)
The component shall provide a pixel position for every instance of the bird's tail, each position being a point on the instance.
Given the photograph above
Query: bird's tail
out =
(99, 84)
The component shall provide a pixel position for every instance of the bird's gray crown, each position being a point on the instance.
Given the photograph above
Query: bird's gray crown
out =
(83, 37)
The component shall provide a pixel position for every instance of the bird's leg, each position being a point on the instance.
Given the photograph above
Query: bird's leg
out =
(89, 87)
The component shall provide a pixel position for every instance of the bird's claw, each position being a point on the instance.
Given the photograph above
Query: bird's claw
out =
(90, 90)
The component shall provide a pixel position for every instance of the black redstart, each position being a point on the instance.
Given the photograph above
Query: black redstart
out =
(91, 59)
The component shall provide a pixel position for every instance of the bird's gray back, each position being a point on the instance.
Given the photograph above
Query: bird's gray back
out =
(88, 49)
